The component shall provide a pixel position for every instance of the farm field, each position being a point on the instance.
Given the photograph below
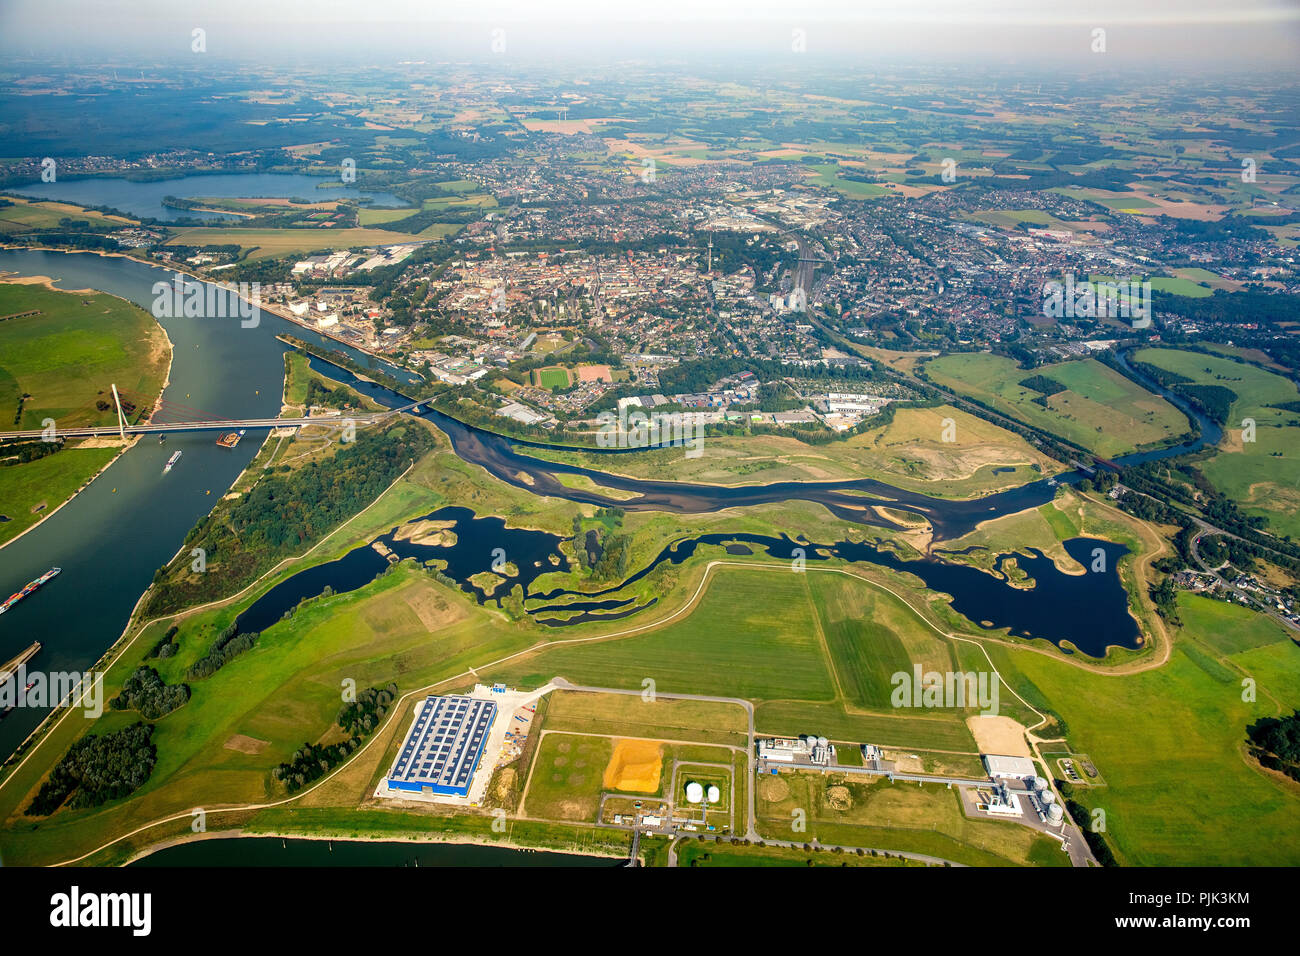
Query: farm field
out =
(23, 215)
(815, 651)
(756, 618)
(662, 718)
(1169, 741)
(1099, 409)
(1262, 476)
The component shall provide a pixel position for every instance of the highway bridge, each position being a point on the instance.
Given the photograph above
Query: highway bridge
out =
(123, 430)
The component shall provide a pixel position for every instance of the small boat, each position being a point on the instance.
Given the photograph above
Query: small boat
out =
(171, 462)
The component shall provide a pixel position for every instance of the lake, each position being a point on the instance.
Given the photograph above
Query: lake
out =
(145, 199)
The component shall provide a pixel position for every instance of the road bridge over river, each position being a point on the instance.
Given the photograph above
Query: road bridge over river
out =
(54, 433)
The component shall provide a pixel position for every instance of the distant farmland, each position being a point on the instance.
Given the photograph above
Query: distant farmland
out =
(1263, 476)
(1098, 408)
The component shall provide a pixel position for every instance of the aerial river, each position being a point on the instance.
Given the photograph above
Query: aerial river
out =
(112, 538)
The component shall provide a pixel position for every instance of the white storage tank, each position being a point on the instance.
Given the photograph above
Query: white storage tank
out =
(694, 792)
(714, 793)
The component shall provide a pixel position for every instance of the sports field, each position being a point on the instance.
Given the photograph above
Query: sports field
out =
(1099, 409)
(551, 377)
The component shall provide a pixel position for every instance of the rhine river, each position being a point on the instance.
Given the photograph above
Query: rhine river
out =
(144, 199)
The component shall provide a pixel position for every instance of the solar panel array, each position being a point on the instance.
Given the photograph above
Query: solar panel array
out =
(442, 749)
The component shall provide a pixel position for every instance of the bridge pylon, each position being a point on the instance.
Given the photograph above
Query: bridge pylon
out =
(121, 419)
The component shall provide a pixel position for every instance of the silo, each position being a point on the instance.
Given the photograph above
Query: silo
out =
(1047, 797)
(1054, 813)
(1038, 783)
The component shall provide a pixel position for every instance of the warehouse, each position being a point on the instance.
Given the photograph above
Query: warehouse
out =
(443, 747)
(1002, 767)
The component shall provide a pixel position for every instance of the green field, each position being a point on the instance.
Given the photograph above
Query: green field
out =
(1180, 286)
(816, 651)
(24, 215)
(760, 619)
(828, 175)
(64, 358)
(30, 491)
(1263, 476)
(1170, 741)
(1100, 409)
(553, 377)
(68, 355)
(566, 780)
(705, 854)
(875, 812)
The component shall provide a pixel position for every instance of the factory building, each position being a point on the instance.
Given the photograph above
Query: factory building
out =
(1009, 768)
(443, 747)
(806, 749)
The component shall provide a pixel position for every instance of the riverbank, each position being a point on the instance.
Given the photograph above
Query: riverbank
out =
(498, 843)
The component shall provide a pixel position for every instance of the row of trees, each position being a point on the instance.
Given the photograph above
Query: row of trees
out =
(312, 761)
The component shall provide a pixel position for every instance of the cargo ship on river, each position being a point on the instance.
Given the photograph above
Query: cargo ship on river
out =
(31, 586)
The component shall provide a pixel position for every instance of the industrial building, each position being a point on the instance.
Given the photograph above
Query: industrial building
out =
(806, 749)
(443, 747)
(1009, 768)
(1002, 802)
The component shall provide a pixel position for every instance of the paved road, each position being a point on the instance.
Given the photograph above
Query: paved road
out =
(891, 774)
(153, 428)
(1206, 531)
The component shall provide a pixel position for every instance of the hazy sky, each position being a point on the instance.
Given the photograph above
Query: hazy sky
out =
(1200, 34)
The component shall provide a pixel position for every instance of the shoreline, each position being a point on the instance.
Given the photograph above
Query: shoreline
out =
(48, 282)
(243, 834)
(181, 269)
